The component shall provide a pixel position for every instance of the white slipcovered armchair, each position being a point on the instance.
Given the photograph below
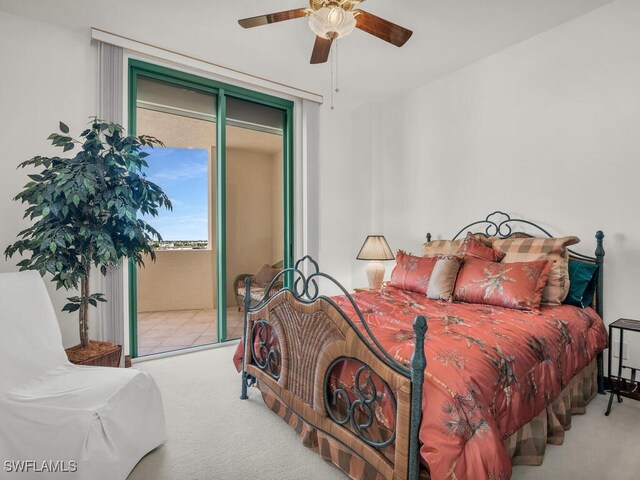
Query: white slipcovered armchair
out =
(94, 422)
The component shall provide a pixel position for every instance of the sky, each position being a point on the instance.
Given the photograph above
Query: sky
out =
(183, 175)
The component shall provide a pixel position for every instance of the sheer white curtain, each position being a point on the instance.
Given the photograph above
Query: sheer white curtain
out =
(310, 221)
(110, 315)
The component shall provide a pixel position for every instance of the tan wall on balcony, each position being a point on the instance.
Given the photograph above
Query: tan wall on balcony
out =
(253, 213)
(178, 280)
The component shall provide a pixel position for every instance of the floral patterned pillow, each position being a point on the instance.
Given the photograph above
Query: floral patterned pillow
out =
(512, 285)
(412, 273)
(475, 248)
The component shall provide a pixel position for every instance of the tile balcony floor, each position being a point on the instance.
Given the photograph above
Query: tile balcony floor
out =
(165, 331)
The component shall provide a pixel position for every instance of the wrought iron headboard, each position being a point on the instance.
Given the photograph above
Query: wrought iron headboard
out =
(500, 224)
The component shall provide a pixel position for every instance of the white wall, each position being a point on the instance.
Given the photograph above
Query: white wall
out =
(48, 74)
(351, 209)
(336, 193)
(547, 130)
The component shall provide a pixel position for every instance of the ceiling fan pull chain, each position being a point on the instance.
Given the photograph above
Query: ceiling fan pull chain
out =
(337, 64)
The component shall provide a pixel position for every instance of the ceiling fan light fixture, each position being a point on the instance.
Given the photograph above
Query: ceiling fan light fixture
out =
(332, 22)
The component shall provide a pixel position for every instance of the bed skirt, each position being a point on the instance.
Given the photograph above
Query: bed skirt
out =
(525, 447)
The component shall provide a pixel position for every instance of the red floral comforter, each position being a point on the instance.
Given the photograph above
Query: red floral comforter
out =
(489, 371)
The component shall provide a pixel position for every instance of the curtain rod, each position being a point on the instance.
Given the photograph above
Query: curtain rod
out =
(188, 60)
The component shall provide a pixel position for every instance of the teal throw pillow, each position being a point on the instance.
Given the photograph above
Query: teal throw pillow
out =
(582, 283)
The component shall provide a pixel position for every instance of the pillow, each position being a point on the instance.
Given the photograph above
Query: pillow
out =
(412, 273)
(450, 247)
(582, 283)
(516, 285)
(475, 248)
(443, 278)
(265, 275)
(434, 277)
(534, 249)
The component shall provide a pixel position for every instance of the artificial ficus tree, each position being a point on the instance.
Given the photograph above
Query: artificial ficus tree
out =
(85, 210)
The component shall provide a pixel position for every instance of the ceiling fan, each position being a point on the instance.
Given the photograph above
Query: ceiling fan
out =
(333, 19)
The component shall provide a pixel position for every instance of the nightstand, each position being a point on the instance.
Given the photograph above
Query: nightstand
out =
(632, 386)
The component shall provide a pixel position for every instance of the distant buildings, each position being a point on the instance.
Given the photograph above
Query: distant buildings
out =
(181, 245)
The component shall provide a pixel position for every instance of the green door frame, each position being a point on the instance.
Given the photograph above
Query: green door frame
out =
(222, 91)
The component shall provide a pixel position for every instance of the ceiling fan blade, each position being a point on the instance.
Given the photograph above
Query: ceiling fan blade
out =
(383, 29)
(321, 50)
(272, 18)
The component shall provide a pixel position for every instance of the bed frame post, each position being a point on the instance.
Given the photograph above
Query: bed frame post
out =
(418, 366)
(247, 380)
(600, 301)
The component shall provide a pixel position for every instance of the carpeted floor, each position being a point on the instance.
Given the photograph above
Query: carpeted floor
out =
(214, 435)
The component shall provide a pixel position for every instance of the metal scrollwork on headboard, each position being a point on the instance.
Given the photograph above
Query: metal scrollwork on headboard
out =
(498, 224)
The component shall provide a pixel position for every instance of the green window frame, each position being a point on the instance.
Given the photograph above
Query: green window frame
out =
(223, 91)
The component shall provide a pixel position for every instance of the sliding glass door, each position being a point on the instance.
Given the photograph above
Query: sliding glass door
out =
(227, 167)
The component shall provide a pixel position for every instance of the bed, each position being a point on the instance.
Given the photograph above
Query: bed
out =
(393, 385)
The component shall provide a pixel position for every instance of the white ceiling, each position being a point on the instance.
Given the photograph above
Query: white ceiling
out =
(448, 34)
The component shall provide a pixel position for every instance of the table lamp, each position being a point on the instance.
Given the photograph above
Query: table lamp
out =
(375, 249)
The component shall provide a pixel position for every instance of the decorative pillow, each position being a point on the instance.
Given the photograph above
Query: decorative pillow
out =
(513, 285)
(533, 249)
(582, 285)
(443, 278)
(412, 273)
(475, 248)
(450, 247)
(265, 275)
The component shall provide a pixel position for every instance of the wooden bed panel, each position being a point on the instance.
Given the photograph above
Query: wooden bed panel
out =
(311, 337)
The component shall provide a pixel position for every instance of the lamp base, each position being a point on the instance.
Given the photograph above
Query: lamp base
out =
(375, 275)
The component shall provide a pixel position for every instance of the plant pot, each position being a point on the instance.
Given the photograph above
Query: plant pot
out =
(97, 354)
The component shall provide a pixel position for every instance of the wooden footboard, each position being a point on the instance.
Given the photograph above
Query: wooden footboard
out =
(296, 338)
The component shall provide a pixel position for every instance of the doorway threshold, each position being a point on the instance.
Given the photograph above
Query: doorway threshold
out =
(182, 351)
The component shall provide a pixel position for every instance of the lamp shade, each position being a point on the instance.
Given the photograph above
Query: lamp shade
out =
(375, 247)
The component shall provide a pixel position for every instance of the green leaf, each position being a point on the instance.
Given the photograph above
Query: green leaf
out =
(76, 199)
(71, 307)
(45, 211)
(68, 146)
(53, 247)
(64, 128)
